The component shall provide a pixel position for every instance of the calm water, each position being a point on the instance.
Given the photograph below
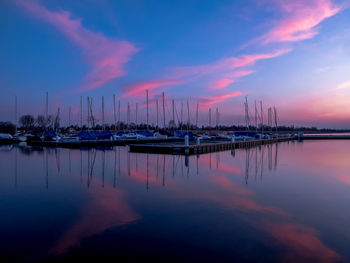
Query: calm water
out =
(283, 203)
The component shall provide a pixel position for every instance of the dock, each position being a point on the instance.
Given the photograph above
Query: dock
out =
(205, 147)
(100, 143)
(325, 137)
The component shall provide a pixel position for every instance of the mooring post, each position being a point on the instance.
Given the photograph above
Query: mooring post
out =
(300, 135)
(187, 141)
(233, 139)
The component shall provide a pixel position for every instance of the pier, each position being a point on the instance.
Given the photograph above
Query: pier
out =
(100, 143)
(205, 147)
(325, 137)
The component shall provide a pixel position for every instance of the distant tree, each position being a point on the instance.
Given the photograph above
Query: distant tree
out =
(172, 124)
(41, 121)
(27, 121)
(7, 127)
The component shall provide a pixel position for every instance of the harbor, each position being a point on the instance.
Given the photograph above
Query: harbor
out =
(175, 131)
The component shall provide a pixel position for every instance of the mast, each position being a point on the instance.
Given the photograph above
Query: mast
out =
(128, 115)
(188, 115)
(182, 107)
(256, 117)
(47, 106)
(91, 114)
(275, 113)
(58, 116)
(209, 117)
(197, 117)
(114, 113)
(247, 113)
(163, 110)
(270, 118)
(69, 113)
(147, 107)
(57, 119)
(16, 113)
(88, 112)
(81, 112)
(216, 117)
(136, 114)
(118, 113)
(103, 112)
(173, 106)
(262, 117)
(157, 113)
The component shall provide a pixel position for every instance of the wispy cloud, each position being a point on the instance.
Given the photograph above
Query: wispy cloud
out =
(213, 99)
(343, 85)
(221, 84)
(107, 56)
(299, 20)
(229, 79)
(302, 242)
(322, 69)
(138, 88)
(222, 73)
(225, 66)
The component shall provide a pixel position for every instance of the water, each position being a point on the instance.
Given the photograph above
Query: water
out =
(279, 203)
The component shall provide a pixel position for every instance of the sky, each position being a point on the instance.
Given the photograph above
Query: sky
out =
(292, 55)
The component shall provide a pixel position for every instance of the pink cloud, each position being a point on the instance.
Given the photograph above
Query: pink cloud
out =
(107, 56)
(221, 84)
(107, 208)
(299, 21)
(343, 85)
(138, 88)
(224, 71)
(225, 65)
(344, 179)
(208, 101)
(231, 78)
(302, 243)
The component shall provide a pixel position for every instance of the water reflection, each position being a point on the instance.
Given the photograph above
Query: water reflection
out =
(271, 190)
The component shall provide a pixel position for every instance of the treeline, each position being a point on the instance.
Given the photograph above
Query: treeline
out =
(29, 123)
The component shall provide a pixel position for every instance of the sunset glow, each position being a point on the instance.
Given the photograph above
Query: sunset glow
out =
(289, 54)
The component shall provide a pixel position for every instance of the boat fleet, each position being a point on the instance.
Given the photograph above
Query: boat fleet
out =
(143, 135)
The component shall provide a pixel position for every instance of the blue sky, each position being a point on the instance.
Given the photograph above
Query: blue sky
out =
(290, 54)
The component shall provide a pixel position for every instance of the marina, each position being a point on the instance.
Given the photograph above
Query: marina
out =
(175, 131)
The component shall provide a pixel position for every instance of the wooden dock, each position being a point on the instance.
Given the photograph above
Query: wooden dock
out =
(325, 137)
(200, 148)
(100, 143)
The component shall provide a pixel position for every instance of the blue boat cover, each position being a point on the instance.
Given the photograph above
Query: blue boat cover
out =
(49, 134)
(182, 134)
(145, 133)
(86, 135)
(103, 135)
(94, 135)
(249, 134)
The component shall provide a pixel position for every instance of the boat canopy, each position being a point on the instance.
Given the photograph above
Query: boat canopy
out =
(94, 135)
(86, 135)
(50, 134)
(103, 135)
(182, 134)
(145, 133)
